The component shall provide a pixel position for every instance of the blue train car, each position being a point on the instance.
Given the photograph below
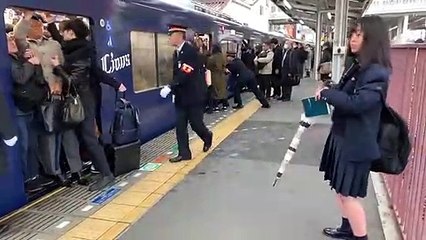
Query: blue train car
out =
(131, 41)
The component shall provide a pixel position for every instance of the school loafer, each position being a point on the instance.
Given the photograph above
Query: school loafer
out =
(338, 233)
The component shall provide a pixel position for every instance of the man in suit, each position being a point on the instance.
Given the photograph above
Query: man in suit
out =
(288, 67)
(276, 67)
(243, 77)
(189, 90)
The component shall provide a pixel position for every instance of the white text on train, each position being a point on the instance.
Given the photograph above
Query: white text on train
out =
(111, 64)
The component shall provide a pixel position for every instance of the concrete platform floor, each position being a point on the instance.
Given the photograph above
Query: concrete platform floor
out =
(229, 195)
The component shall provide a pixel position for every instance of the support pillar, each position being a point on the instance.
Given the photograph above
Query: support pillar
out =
(405, 24)
(340, 38)
(318, 43)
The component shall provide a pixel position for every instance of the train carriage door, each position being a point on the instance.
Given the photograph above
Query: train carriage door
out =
(22, 168)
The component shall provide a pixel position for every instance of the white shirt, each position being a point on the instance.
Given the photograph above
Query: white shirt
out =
(180, 48)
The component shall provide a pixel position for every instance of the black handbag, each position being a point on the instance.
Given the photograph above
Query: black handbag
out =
(73, 112)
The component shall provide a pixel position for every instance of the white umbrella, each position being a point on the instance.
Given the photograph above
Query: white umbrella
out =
(304, 124)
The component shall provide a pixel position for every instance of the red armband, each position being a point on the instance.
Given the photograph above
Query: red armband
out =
(186, 68)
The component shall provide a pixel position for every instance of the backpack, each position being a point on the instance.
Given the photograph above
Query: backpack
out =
(394, 142)
(125, 128)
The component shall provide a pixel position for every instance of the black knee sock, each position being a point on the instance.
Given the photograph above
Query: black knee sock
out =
(361, 238)
(346, 226)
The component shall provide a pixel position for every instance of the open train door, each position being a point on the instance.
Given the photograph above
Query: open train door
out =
(231, 43)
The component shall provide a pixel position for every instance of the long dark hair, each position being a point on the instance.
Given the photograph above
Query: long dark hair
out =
(376, 44)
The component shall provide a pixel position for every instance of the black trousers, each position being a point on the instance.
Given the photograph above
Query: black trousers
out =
(87, 132)
(252, 87)
(287, 87)
(194, 115)
(276, 83)
(287, 90)
(265, 83)
(211, 103)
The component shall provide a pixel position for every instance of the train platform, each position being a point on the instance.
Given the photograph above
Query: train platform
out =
(223, 194)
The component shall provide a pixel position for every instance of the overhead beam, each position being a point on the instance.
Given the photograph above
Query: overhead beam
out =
(310, 9)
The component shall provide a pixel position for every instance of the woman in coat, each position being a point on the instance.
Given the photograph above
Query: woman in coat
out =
(324, 68)
(352, 144)
(76, 71)
(217, 65)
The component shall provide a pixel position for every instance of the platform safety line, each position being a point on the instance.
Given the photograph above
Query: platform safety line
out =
(133, 203)
(41, 199)
(388, 219)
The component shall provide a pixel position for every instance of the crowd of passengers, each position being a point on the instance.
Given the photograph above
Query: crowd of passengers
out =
(60, 61)
(275, 65)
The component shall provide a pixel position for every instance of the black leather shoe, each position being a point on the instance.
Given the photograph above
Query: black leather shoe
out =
(338, 233)
(238, 106)
(76, 177)
(208, 143)
(102, 183)
(178, 159)
(266, 106)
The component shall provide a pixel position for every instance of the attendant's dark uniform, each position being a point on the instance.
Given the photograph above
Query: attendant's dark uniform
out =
(244, 77)
(190, 92)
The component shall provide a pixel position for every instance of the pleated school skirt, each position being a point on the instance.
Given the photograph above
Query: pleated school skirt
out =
(346, 178)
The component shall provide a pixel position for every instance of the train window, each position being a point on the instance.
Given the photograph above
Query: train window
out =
(144, 61)
(164, 59)
(229, 46)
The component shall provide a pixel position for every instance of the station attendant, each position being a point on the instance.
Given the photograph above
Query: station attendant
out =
(243, 77)
(189, 90)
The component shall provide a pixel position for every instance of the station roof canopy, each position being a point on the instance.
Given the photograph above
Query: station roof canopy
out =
(304, 11)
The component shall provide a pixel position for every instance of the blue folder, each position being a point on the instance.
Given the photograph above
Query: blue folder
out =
(314, 108)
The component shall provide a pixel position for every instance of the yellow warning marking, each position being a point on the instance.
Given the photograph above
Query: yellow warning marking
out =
(90, 229)
(114, 218)
(161, 177)
(113, 232)
(113, 212)
(131, 198)
(171, 167)
(145, 186)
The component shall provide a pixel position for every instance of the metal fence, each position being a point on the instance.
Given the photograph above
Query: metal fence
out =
(407, 94)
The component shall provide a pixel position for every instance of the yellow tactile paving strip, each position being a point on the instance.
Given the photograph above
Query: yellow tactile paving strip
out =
(115, 217)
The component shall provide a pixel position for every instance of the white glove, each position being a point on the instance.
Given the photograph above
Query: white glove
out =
(165, 91)
(11, 142)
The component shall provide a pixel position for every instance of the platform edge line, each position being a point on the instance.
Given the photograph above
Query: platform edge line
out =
(388, 220)
(228, 125)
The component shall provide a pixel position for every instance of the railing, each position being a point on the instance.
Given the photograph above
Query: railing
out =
(407, 94)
